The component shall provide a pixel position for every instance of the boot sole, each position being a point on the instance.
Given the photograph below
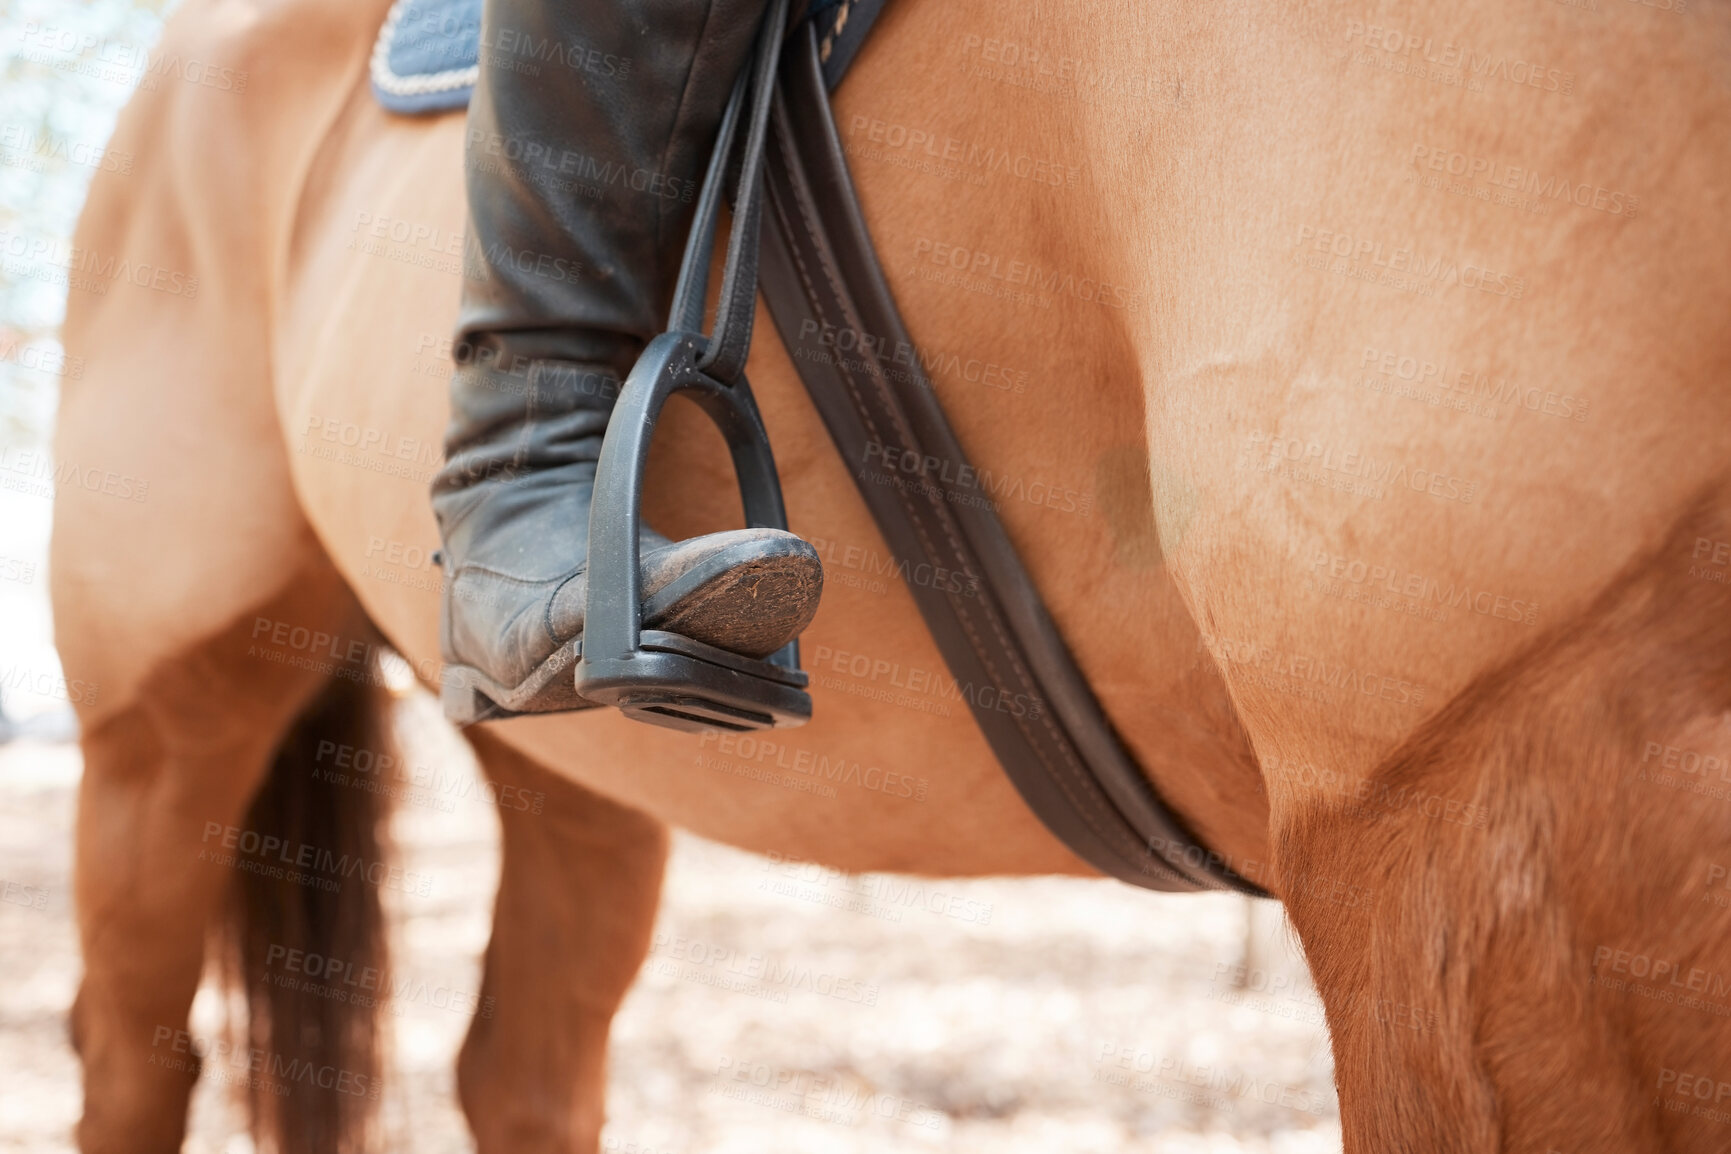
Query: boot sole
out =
(731, 602)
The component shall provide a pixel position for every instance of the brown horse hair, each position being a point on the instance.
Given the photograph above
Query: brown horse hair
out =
(1487, 933)
(317, 1088)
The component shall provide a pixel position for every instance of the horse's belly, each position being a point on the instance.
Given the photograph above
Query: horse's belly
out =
(891, 773)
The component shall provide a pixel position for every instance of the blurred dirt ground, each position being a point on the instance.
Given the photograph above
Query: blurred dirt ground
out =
(1075, 1016)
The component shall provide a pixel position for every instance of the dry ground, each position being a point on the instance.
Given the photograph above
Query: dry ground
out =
(997, 1037)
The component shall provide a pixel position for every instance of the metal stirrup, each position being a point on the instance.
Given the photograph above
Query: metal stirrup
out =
(656, 675)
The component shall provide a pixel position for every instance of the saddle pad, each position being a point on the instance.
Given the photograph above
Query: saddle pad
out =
(425, 59)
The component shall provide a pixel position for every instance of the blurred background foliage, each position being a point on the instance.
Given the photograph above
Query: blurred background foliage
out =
(66, 69)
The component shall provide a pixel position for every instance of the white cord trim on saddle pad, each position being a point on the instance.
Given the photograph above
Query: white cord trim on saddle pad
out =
(386, 80)
(823, 49)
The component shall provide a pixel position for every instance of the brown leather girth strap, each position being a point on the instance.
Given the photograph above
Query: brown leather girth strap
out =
(820, 276)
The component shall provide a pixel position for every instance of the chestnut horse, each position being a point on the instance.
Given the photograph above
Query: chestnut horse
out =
(1353, 381)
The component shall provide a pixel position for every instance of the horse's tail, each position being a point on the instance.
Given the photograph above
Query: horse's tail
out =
(308, 942)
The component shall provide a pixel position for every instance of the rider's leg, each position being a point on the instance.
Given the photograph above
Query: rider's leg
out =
(583, 155)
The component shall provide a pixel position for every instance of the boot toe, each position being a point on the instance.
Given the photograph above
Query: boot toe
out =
(748, 591)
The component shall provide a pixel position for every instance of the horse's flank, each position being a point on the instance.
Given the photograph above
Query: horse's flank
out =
(1349, 383)
(362, 277)
(1120, 223)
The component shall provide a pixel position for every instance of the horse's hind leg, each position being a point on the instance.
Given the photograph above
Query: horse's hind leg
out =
(1521, 932)
(578, 887)
(167, 777)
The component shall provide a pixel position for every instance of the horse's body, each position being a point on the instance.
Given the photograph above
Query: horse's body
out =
(1411, 587)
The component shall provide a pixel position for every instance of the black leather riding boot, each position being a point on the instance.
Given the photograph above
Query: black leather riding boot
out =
(588, 134)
